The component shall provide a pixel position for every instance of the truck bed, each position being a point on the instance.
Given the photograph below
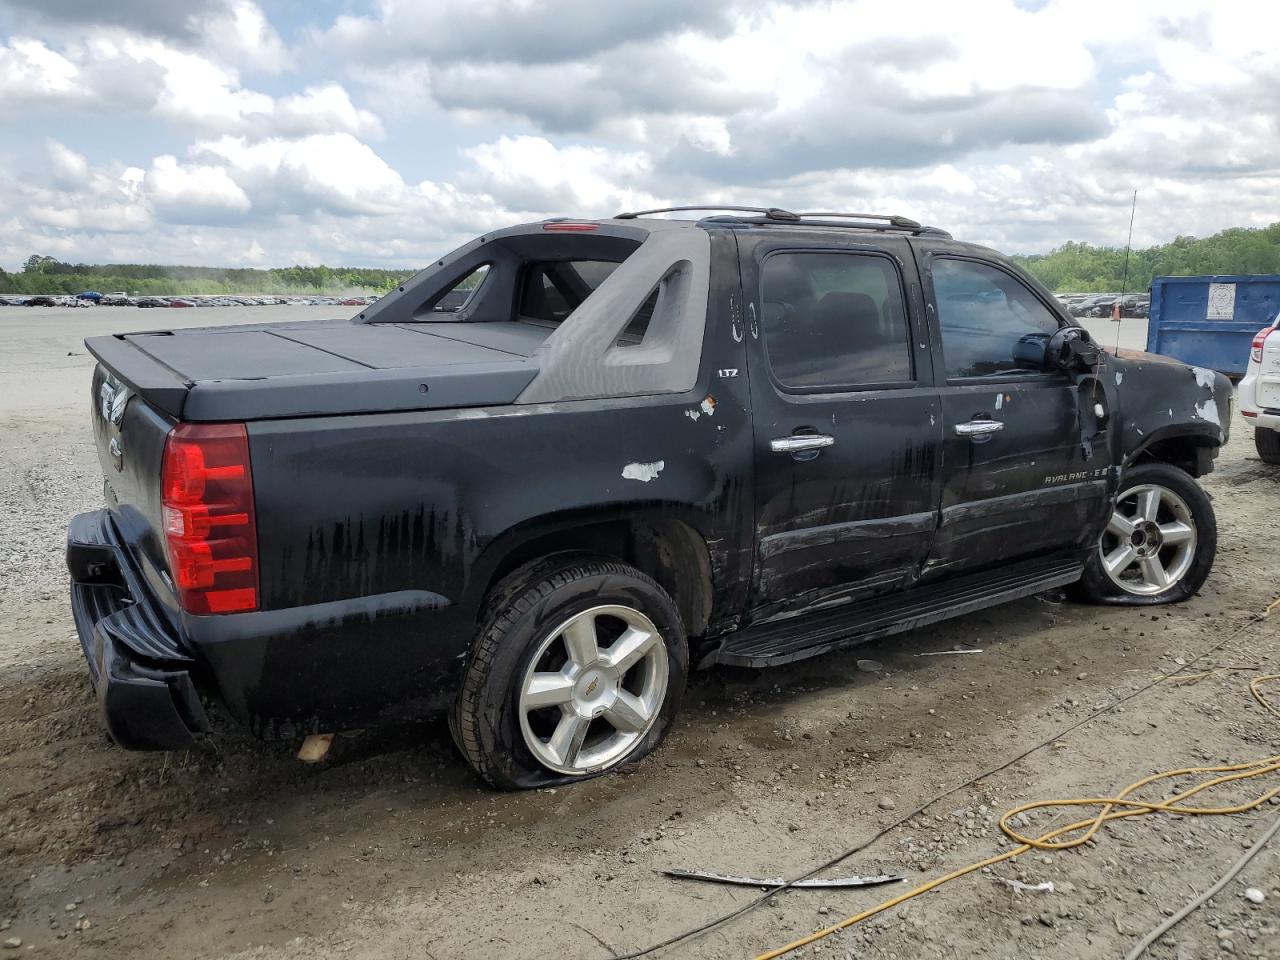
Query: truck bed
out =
(315, 368)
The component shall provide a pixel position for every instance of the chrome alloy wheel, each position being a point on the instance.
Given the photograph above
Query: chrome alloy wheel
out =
(1150, 542)
(593, 690)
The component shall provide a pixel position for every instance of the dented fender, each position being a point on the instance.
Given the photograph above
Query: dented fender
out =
(1180, 412)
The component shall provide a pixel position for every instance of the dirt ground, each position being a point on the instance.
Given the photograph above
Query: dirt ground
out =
(392, 850)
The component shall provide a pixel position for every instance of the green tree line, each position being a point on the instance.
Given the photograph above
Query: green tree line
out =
(1083, 268)
(47, 275)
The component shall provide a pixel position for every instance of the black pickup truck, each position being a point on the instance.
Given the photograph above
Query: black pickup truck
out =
(535, 484)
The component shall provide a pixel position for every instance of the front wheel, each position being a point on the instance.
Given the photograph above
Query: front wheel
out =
(578, 670)
(1159, 544)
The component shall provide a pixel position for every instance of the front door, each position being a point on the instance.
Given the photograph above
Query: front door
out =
(846, 419)
(1017, 478)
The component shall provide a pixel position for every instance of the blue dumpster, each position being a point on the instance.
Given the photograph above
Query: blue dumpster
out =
(1210, 321)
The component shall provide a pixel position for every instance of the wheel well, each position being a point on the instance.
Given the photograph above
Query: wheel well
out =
(1195, 455)
(670, 551)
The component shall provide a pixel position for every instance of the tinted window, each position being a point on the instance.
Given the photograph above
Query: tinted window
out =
(553, 290)
(834, 319)
(990, 322)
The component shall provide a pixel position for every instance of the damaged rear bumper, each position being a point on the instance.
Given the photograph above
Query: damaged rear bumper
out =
(139, 669)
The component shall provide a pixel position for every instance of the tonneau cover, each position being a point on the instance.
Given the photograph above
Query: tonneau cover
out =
(315, 368)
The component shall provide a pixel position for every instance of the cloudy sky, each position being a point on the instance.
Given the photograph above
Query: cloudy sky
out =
(234, 132)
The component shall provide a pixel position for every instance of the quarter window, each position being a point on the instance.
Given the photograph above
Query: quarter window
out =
(990, 322)
(834, 320)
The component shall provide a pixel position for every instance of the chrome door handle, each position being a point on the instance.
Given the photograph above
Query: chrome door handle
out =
(800, 442)
(979, 428)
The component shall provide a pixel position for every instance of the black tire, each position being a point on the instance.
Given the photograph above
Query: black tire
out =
(519, 614)
(1097, 586)
(1268, 443)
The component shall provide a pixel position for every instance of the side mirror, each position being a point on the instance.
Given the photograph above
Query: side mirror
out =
(1031, 352)
(1071, 349)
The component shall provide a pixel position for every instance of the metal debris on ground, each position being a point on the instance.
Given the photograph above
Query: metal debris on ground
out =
(819, 884)
(947, 653)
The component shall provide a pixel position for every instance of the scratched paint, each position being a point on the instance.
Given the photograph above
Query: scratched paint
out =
(644, 472)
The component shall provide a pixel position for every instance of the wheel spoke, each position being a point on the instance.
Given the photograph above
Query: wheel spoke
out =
(548, 690)
(1119, 559)
(1153, 571)
(1120, 525)
(628, 650)
(1149, 504)
(1175, 532)
(627, 713)
(580, 641)
(566, 741)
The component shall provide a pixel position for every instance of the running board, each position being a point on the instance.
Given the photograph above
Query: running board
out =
(797, 638)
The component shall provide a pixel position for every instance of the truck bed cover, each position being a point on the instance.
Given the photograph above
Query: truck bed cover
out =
(316, 368)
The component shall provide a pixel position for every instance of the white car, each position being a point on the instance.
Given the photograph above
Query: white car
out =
(1260, 392)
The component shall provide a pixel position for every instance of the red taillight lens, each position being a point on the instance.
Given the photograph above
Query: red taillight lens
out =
(209, 526)
(1255, 349)
(569, 227)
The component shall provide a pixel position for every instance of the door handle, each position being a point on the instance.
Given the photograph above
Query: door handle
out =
(800, 442)
(979, 428)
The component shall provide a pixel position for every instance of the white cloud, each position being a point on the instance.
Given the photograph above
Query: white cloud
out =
(193, 193)
(1021, 129)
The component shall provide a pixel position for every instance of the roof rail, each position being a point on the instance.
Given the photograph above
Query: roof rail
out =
(773, 213)
(906, 223)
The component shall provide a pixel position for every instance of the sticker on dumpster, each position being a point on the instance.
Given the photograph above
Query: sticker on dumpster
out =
(1222, 301)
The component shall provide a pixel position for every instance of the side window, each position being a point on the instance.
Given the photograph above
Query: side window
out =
(460, 294)
(990, 322)
(834, 320)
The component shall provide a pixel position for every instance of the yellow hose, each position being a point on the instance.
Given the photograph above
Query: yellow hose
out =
(1119, 807)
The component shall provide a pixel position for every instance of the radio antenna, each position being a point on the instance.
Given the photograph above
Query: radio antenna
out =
(1124, 279)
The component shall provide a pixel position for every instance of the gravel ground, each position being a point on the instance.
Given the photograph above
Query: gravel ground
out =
(392, 850)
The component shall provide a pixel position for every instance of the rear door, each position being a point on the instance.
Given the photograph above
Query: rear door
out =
(1016, 479)
(847, 422)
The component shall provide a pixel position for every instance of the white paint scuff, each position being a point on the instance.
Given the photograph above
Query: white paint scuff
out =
(1204, 378)
(999, 400)
(692, 414)
(1119, 377)
(1209, 411)
(708, 406)
(644, 472)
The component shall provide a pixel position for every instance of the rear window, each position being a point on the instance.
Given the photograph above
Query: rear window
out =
(554, 289)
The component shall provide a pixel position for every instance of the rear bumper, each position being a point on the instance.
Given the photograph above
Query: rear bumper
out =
(140, 671)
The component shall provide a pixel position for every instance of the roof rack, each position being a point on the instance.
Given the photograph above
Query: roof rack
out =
(870, 221)
(773, 213)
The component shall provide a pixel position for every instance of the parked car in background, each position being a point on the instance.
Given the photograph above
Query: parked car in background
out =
(1259, 392)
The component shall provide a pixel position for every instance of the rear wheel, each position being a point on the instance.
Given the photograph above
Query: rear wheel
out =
(1159, 544)
(1268, 443)
(578, 670)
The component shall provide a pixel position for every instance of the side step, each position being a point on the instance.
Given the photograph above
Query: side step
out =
(772, 644)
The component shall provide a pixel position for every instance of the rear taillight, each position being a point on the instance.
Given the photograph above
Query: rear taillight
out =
(209, 526)
(1255, 348)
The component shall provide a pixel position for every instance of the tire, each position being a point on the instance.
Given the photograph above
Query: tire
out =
(579, 718)
(1268, 443)
(1182, 506)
